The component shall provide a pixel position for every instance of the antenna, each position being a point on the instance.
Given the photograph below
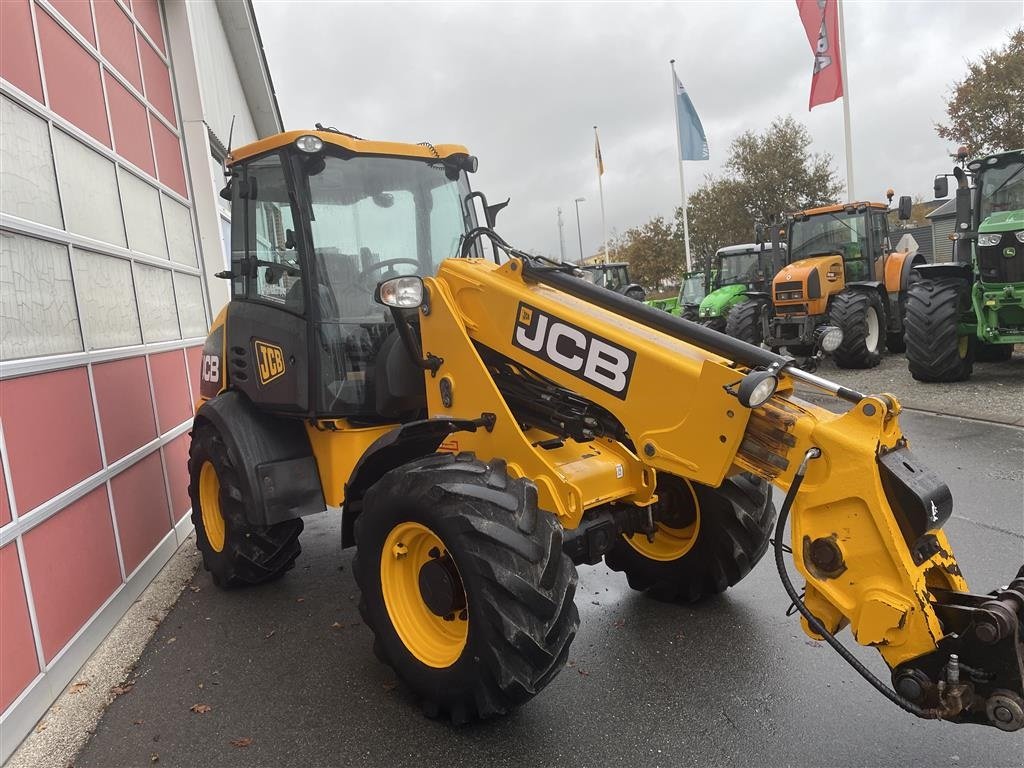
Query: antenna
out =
(231, 132)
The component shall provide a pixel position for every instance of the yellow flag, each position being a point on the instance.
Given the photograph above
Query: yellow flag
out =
(597, 154)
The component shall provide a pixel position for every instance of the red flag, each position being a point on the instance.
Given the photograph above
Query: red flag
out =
(821, 23)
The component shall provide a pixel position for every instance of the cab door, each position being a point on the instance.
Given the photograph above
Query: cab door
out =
(267, 340)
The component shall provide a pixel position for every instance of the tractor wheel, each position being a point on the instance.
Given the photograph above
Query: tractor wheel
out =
(714, 323)
(464, 585)
(707, 539)
(744, 322)
(689, 313)
(860, 316)
(993, 353)
(235, 552)
(934, 350)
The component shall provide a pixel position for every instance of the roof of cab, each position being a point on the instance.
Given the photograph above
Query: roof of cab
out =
(840, 207)
(351, 143)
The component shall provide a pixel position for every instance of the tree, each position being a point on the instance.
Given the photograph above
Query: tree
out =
(766, 174)
(652, 250)
(986, 108)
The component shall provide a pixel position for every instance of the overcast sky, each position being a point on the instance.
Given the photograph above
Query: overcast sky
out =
(522, 84)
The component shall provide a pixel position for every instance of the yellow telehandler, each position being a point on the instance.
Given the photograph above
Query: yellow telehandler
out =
(487, 419)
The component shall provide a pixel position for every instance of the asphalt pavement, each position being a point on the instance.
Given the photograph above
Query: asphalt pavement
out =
(284, 675)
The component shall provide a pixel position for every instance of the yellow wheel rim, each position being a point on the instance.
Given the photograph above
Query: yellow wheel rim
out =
(962, 345)
(436, 640)
(670, 543)
(209, 503)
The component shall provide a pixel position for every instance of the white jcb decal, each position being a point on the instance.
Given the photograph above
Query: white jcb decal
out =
(211, 368)
(935, 513)
(572, 349)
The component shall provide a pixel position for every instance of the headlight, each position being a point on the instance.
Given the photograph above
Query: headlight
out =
(309, 144)
(829, 338)
(1020, 236)
(404, 292)
(989, 239)
(756, 388)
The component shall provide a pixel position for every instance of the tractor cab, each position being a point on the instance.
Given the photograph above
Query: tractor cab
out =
(858, 233)
(318, 220)
(736, 271)
(614, 277)
(998, 217)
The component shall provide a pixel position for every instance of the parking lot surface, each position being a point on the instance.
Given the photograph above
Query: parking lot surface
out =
(289, 677)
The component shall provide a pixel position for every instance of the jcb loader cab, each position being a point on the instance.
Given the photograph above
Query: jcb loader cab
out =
(486, 425)
(842, 271)
(973, 308)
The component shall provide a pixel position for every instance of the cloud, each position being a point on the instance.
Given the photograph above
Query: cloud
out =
(522, 84)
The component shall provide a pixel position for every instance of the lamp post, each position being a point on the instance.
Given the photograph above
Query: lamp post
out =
(579, 232)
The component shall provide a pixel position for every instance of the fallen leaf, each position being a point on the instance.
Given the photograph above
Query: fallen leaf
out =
(172, 640)
(620, 623)
(195, 589)
(154, 758)
(270, 634)
(41, 727)
(245, 741)
(337, 625)
(200, 686)
(81, 685)
(154, 618)
(389, 686)
(120, 690)
(138, 722)
(200, 709)
(300, 599)
(583, 672)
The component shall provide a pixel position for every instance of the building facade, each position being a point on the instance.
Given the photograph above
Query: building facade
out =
(116, 116)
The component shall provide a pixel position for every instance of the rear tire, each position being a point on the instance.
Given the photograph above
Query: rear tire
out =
(505, 565)
(744, 322)
(935, 353)
(993, 353)
(235, 552)
(720, 535)
(861, 317)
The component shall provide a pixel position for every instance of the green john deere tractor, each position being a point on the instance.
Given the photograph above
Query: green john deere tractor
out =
(973, 308)
(738, 272)
(685, 305)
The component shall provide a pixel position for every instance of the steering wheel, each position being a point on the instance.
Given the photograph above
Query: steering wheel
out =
(379, 265)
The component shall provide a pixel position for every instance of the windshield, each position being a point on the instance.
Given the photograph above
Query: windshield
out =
(1001, 189)
(692, 291)
(374, 218)
(737, 268)
(828, 233)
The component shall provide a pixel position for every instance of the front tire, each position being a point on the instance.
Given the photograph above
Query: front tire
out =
(744, 322)
(935, 352)
(235, 552)
(861, 317)
(714, 323)
(464, 585)
(706, 541)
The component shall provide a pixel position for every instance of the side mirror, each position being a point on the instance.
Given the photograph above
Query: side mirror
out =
(906, 204)
(941, 186)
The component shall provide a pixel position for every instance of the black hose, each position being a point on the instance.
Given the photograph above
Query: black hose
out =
(813, 622)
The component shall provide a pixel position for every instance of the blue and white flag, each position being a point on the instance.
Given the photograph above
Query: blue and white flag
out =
(693, 144)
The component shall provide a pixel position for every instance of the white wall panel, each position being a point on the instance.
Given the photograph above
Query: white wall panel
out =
(141, 205)
(178, 223)
(37, 299)
(219, 84)
(28, 185)
(191, 313)
(155, 291)
(107, 300)
(88, 188)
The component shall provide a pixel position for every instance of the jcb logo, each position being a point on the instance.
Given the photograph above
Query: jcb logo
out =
(589, 357)
(270, 360)
(211, 368)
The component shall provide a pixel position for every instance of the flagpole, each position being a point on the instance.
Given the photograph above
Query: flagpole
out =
(600, 190)
(846, 103)
(682, 179)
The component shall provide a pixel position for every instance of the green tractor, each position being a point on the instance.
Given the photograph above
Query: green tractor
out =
(973, 308)
(685, 305)
(739, 271)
